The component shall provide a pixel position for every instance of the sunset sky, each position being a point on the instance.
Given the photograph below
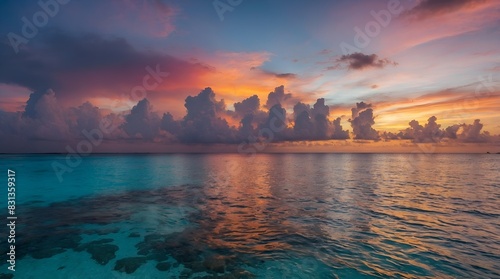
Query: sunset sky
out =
(72, 65)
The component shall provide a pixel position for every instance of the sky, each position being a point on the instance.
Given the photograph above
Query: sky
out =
(250, 76)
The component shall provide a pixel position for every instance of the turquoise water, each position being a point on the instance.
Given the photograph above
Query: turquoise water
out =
(268, 216)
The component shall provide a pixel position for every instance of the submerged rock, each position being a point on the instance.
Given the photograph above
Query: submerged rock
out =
(134, 234)
(129, 265)
(163, 266)
(215, 263)
(46, 253)
(102, 252)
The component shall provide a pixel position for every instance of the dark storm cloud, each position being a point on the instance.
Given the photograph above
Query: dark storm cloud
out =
(430, 8)
(360, 61)
(82, 65)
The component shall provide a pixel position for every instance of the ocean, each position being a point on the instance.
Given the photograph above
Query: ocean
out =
(266, 216)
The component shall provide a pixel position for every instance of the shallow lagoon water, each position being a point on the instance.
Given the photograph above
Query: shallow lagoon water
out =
(268, 216)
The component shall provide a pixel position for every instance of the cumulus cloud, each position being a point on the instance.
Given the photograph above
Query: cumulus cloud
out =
(362, 121)
(276, 122)
(338, 131)
(359, 107)
(303, 127)
(432, 132)
(472, 132)
(142, 122)
(312, 123)
(299, 108)
(206, 121)
(429, 133)
(84, 117)
(169, 124)
(278, 96)
(44, 118)
(248, 106)
(322, 125)
(202, 123)
(360, 61)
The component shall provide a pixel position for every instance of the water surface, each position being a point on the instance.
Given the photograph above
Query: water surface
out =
(268, 216)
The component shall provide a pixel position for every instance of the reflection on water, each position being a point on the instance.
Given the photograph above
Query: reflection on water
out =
(279, 216)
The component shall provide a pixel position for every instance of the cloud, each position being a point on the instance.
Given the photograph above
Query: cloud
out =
(362, 121)
(300, 108)
(274, 74)
(248, 106)
(338, 131)
(432, 8)
(360, 61)
(202, 123)
(322, 126)
(359, 107)
(278, 96)
(319, 108)
(84, 117)
(142, 122)
(45, 120)
(432, 132)
(304, 127)
(312, 123)
(276, 121)
(89, 65)
(286, 76)
(472, 132)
